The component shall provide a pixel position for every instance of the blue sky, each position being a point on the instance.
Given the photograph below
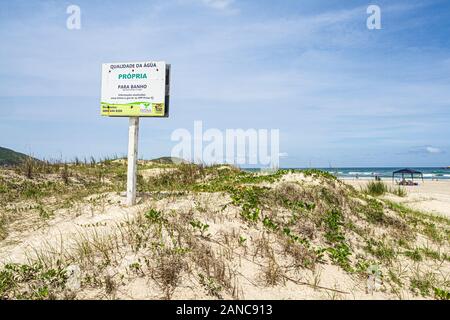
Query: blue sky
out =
(340, 94)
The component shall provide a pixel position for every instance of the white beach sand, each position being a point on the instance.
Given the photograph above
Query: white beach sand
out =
(429, 196)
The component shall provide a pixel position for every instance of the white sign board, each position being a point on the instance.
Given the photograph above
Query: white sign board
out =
(135, 89)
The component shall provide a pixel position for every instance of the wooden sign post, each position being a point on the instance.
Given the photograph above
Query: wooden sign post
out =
(134, 90)
(133, 136)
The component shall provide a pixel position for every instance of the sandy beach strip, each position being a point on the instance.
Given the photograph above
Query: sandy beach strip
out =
(429, 196)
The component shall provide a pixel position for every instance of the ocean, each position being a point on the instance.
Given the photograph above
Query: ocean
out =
(383, 172)
(351, 173)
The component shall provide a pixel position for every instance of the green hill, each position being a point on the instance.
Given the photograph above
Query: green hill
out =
(10, 157)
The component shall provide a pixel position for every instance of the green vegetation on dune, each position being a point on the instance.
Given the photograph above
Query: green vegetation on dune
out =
(376, 188)
(29, 186)
(36, 282)
(379, 188)
(305, 216)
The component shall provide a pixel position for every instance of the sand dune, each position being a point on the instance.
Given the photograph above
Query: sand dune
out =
(216, 233)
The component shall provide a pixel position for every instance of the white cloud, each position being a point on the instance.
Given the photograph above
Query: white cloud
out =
(283, 154)
(430, 149)
(218, 4)
(427, 149)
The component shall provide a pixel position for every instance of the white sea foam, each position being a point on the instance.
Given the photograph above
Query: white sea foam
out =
(363, 173)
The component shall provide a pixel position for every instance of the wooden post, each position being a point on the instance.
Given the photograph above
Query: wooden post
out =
(133, 133)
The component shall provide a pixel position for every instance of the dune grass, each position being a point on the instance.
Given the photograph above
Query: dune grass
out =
(379, 188)
(3, 228)
(399, 191)
(282, 227)
(376, 188)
